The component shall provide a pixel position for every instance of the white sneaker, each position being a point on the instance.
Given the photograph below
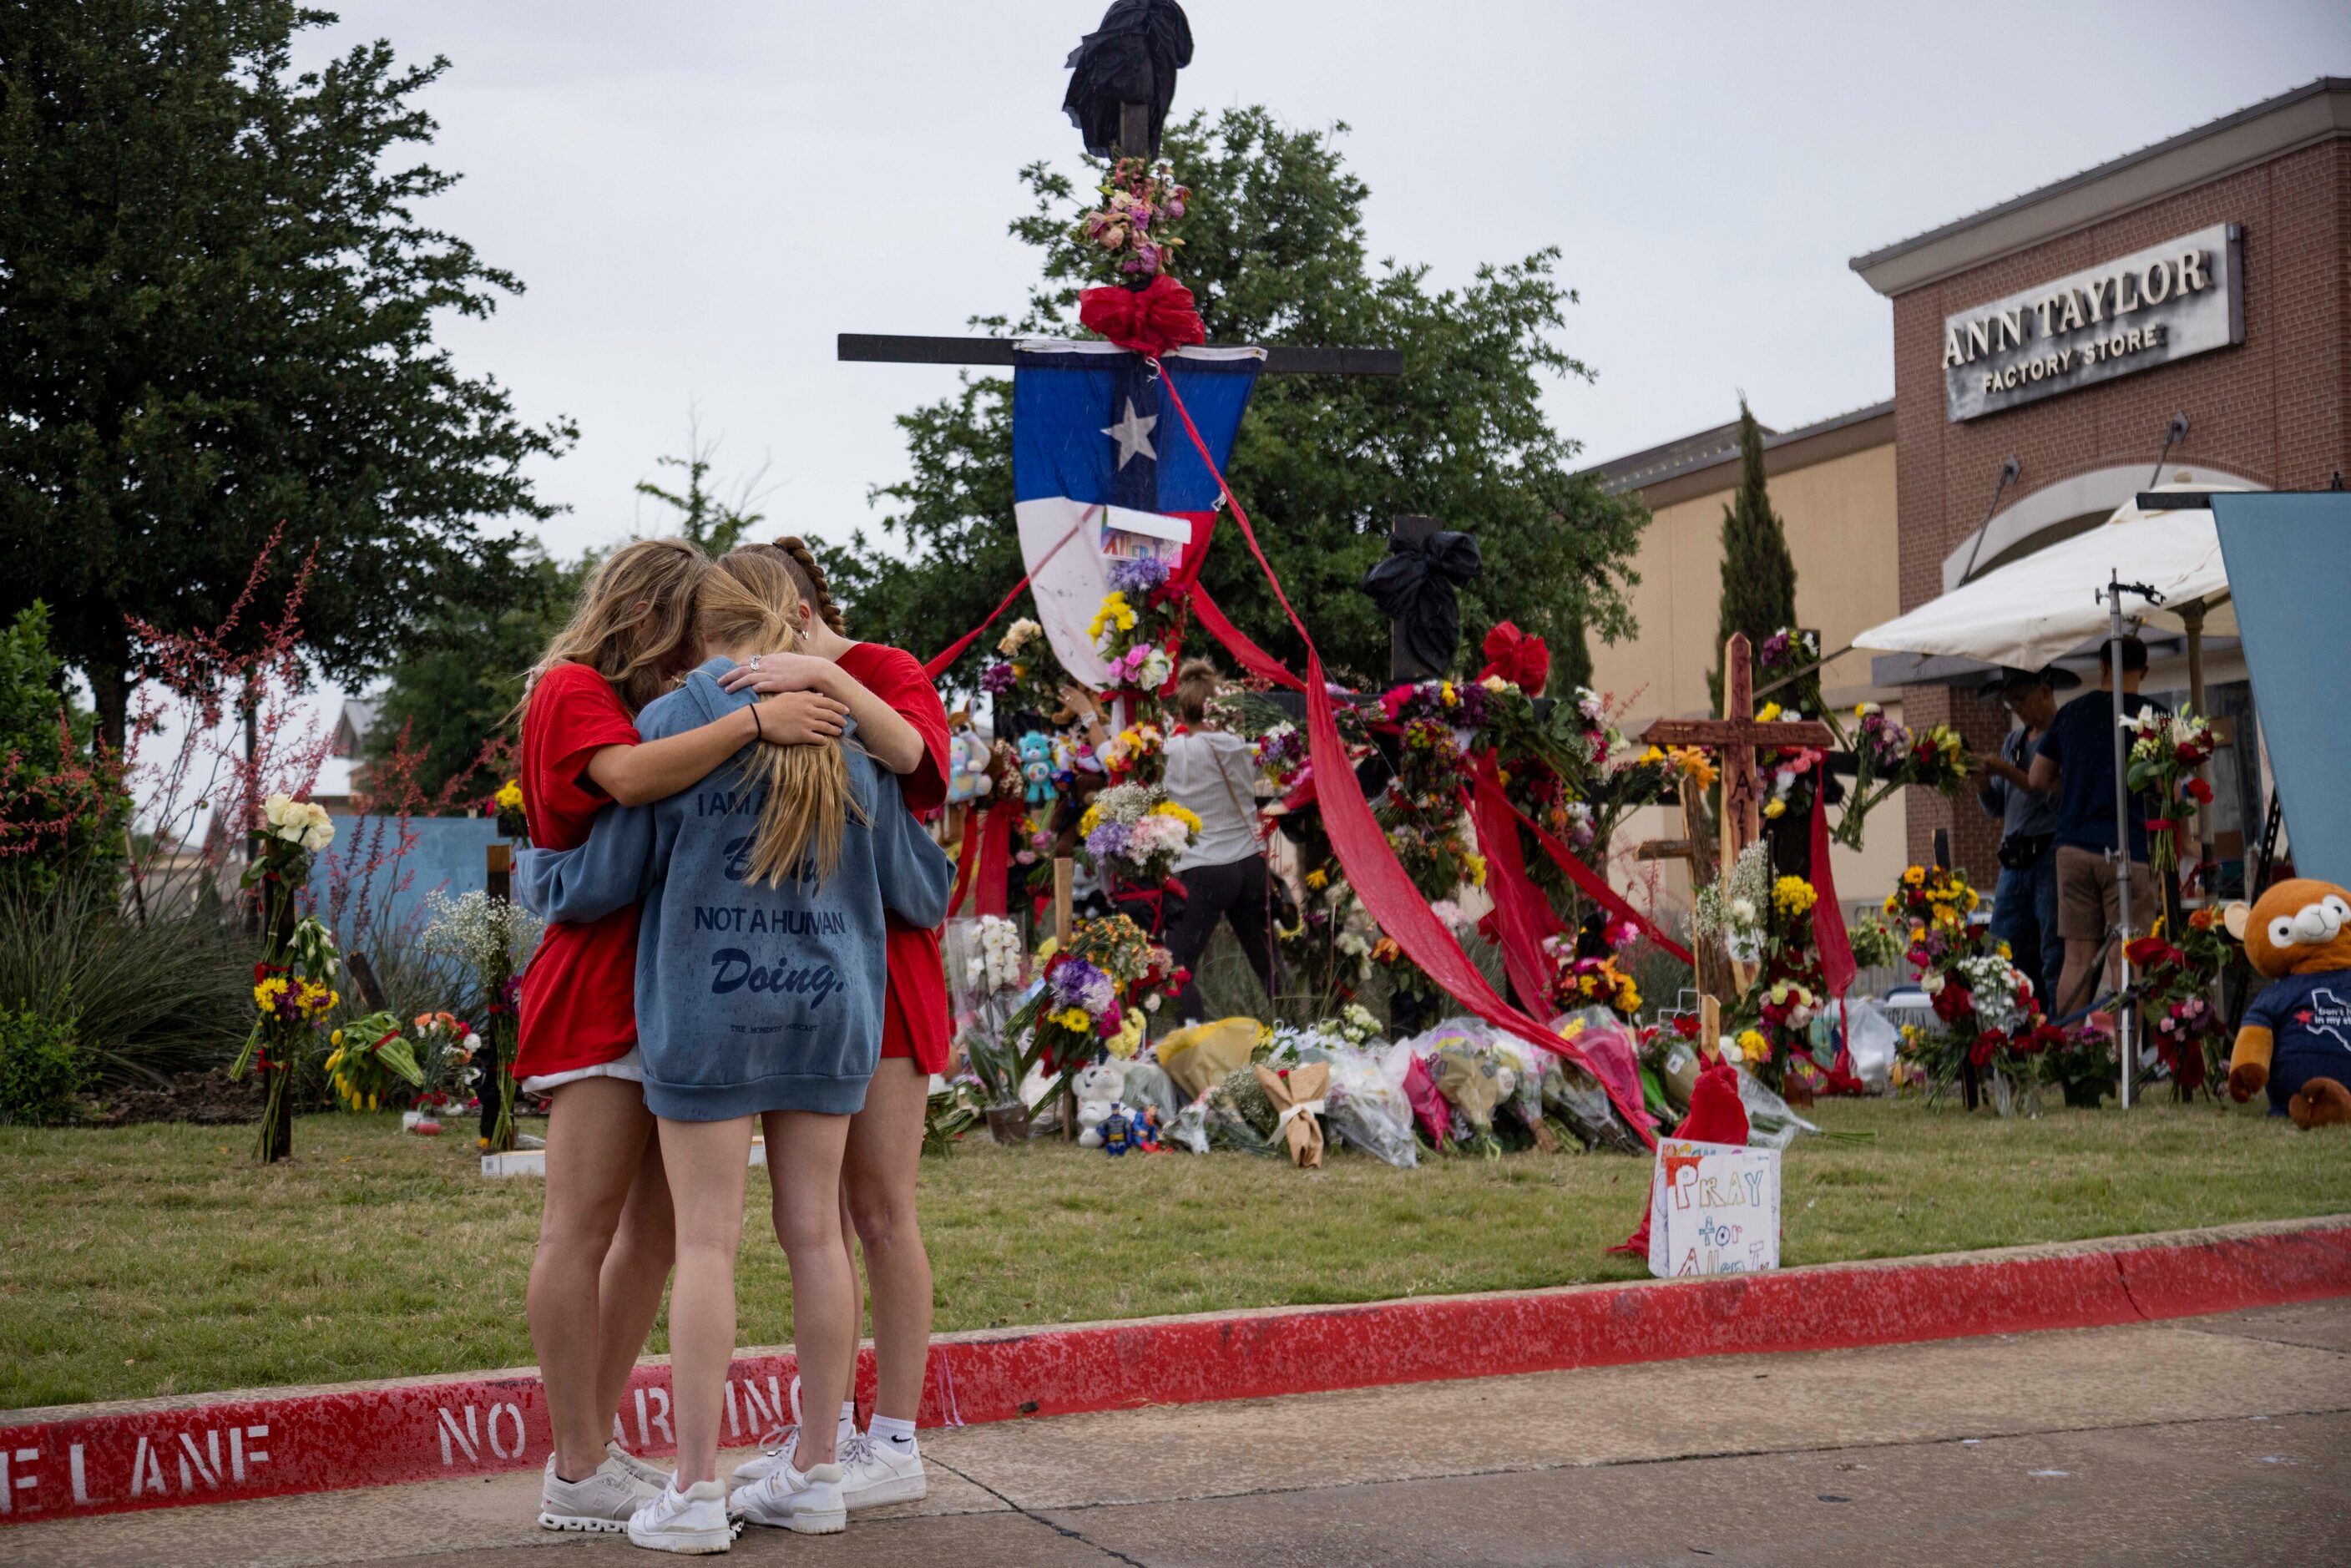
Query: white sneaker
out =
(806, 1501)
(873, 1473)
(645, 1470)
(599, 1504)
(780, 1447)
(691, 1522)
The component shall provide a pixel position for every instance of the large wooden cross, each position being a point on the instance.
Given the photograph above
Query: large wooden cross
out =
(1734, 738)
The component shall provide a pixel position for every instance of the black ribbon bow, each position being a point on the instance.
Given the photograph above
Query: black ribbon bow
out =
(1413, 586)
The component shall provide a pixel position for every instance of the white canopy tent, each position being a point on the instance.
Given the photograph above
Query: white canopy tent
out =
(2039, 609)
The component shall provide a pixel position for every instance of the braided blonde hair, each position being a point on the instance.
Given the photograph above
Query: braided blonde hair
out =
(749, 601)
(633, 618)
(809, 578)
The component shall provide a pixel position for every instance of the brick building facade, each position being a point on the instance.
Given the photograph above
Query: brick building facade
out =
(2271, 412)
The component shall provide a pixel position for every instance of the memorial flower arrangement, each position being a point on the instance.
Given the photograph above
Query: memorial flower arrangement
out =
(1134, 833)
(1137, 755)
(444, 1045)
(369, 1055)
(1987, 1016)
(492, 938)
(1136, 623)
(1280, 757)
(1421, 809)
(1093, 998)
(293, 984)
(997, 964)
(1590, 982)
(1888, 755)
(2165, 751)
(1140, 201)
(2174, 987)
(1736, 910)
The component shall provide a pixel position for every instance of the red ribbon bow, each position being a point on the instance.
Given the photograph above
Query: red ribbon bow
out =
(1521, 659)
(1146, 322)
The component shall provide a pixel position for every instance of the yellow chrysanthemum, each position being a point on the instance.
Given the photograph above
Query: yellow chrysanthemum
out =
(1767, 713)
(1775, 808)
(1752, 1045)
(510, 797)
(1318, 879)
(1794, 895)
(1476, 866)
(1183, 814)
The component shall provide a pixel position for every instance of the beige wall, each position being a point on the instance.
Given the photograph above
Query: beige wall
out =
(1840, 521)
(1839, 515)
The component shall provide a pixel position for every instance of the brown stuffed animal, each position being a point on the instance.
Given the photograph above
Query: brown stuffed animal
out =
(2296, 1037)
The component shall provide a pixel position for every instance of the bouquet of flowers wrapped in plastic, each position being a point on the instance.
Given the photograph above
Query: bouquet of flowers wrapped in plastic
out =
(370, 1054)
(1280, 757)
(1888, 755)
(1590, 982)
(2166, 750)
(1134, 833)
(1987, 1016)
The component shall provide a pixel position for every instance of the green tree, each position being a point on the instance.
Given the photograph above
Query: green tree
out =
(460, 673)
(1274, 251)
(217, 312)
(1759, 575)
(704, 517)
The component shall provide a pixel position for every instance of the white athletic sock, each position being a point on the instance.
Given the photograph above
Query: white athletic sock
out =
(848, 1427)
(899, 1435)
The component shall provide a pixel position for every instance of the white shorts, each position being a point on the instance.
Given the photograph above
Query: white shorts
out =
(631, 1067)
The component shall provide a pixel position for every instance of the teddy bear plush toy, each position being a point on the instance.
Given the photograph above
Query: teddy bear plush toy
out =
(1037, 766)
(1097, 1087)
(2296, 1037)
(968, 761)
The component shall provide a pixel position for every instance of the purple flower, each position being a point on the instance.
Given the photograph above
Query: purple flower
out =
(995, 678)
(1109, 840)
(1137, 574)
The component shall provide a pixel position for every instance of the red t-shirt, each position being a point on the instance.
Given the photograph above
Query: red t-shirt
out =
(580, 992)
(914, 1020)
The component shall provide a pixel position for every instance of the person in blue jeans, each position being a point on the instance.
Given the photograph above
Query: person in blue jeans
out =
(2024, 901)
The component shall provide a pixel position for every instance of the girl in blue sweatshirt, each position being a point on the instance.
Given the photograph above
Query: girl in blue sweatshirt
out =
(760, 995)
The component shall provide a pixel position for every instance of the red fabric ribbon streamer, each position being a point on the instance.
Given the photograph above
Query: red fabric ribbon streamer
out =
(1837, 966)
(1379, 880)
(1596, 886)
(1237, 642)
(1523, 915)
(993, 833)
(1148, 321)
(1521, 659)
(936, 666)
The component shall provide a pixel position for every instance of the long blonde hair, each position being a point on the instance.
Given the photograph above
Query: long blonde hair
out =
(633, 619)
(750, 602)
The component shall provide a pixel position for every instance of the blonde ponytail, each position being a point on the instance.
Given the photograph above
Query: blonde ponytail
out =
(749, 601)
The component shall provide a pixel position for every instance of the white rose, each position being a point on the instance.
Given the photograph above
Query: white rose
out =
(273, 809)
(1743, 910)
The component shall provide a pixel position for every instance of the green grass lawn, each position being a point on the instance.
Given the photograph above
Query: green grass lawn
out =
(159, 1259)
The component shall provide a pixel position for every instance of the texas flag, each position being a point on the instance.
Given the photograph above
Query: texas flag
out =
(1099, 461)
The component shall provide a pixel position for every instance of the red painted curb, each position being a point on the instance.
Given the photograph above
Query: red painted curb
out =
(169, 1453)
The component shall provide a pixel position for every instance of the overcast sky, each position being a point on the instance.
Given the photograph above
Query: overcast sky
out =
(700, 195)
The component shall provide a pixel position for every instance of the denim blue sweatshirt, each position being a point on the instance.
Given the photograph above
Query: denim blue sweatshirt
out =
(751, 997)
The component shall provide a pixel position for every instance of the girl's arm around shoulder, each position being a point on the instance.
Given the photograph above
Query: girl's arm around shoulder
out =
(914, 873)
(612, 871)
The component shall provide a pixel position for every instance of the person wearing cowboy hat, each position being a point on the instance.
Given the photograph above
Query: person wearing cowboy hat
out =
(2024, 900)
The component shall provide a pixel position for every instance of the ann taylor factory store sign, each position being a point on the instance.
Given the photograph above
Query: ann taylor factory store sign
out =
(2161, 304)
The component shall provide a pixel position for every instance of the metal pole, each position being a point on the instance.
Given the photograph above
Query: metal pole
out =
(2125, 1035)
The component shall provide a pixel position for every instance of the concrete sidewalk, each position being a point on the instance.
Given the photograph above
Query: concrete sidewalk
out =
(2218, 1439)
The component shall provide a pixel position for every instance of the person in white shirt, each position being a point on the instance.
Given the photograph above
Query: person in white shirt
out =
(1214, 774)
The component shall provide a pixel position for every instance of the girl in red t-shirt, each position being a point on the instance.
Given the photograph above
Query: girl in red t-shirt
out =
(885, 1139)
(605, 1235)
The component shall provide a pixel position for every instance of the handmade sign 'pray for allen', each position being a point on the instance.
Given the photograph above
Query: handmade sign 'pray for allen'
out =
(1714, 1208)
